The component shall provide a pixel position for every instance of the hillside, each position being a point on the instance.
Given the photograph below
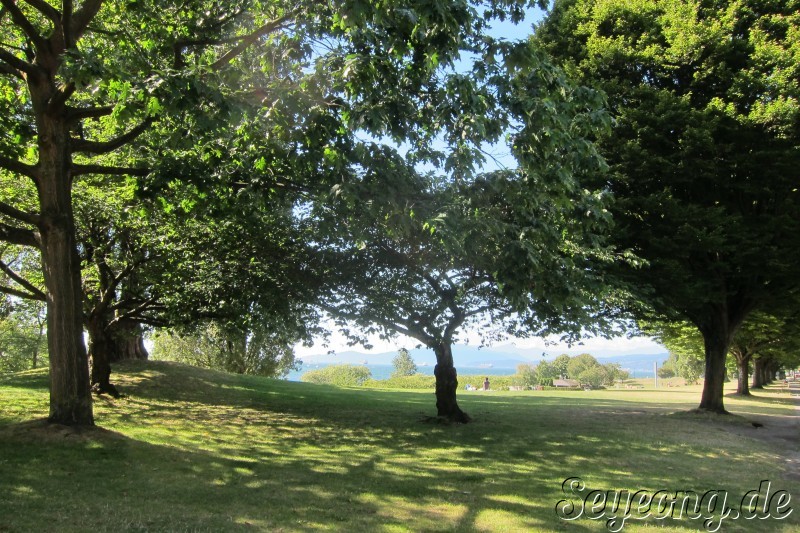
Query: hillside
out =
(194, 450)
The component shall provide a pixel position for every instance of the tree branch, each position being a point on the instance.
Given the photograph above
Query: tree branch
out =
(22, 216)
(5, 68)
(20, 294)
(77, 113)
(15, 64)
(75, 24)
(79, 170)
(19, 18)
(20, 236)
(98, 148)
(62, 95)
(133, 312)
(246, 41)
(47, 10)
(36, 293)
(18, 167)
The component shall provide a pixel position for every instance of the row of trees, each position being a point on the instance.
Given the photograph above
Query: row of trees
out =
(703, 155)
(261, 164)
(764, 344)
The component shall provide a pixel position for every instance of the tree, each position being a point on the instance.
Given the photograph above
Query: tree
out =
(594, 376)
(261, 352)
(547, 372)
(615, 373)
(164, 93)
(579, 363)
(403, 364)
(703, 153)
(426, 251)
(560, 365)
(667, 368)
(526, 376)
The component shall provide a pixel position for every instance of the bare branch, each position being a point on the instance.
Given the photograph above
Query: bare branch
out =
(21, 236)
(97, 148)
(36, 293)
(19, 18)
(18, 167)
(22, 216)
(21, 294)
(249, 39)
(79, 170)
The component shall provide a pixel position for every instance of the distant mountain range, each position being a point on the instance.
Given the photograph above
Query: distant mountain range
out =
(505, 356)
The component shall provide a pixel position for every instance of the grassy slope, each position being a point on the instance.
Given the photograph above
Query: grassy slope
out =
(194, 450)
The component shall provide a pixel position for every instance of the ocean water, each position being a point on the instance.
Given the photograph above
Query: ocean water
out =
(384, 371)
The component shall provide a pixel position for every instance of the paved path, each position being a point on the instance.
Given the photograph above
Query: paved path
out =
(784, 431)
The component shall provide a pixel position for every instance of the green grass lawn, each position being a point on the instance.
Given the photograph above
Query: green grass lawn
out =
(195, 450)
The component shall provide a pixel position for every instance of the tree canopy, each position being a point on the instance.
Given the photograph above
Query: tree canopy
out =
(703, 155)
(220, 98)
(425, 253)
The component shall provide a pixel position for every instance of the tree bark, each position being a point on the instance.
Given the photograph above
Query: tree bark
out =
(129, 343)
(758, 374)
(101, 351)
(717, 337)
(742, 386)
(447, 384)
(70, 395)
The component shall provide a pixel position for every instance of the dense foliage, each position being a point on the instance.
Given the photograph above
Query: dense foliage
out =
(266, 102)
(703, 155)
(260, 352)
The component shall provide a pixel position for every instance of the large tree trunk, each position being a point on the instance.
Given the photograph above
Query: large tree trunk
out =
(717, 337)
(447, 384)
(129, 342)
(743, 362)
(70, 397)
(758, 374)
(102, 350)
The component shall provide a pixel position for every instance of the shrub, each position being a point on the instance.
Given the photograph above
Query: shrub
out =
(339, 375)
(417, 381)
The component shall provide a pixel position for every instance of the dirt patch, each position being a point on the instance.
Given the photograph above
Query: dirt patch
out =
(42, 430)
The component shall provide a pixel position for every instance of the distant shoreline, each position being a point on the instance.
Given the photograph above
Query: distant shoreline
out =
(381, 372)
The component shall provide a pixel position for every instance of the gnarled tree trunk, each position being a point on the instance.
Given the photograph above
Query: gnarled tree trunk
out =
(129, 342)
(447, 384)
(70, 397)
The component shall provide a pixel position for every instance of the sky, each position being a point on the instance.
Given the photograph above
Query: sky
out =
(619, 346)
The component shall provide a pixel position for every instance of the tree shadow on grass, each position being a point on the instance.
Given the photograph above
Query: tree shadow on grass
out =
(201, 451)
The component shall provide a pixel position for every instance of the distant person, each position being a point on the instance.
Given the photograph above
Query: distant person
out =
(486, 384)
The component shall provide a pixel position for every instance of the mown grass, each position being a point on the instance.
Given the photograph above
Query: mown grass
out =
(195, 450)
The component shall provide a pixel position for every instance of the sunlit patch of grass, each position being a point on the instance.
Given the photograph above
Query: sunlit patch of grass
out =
(188, 449)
